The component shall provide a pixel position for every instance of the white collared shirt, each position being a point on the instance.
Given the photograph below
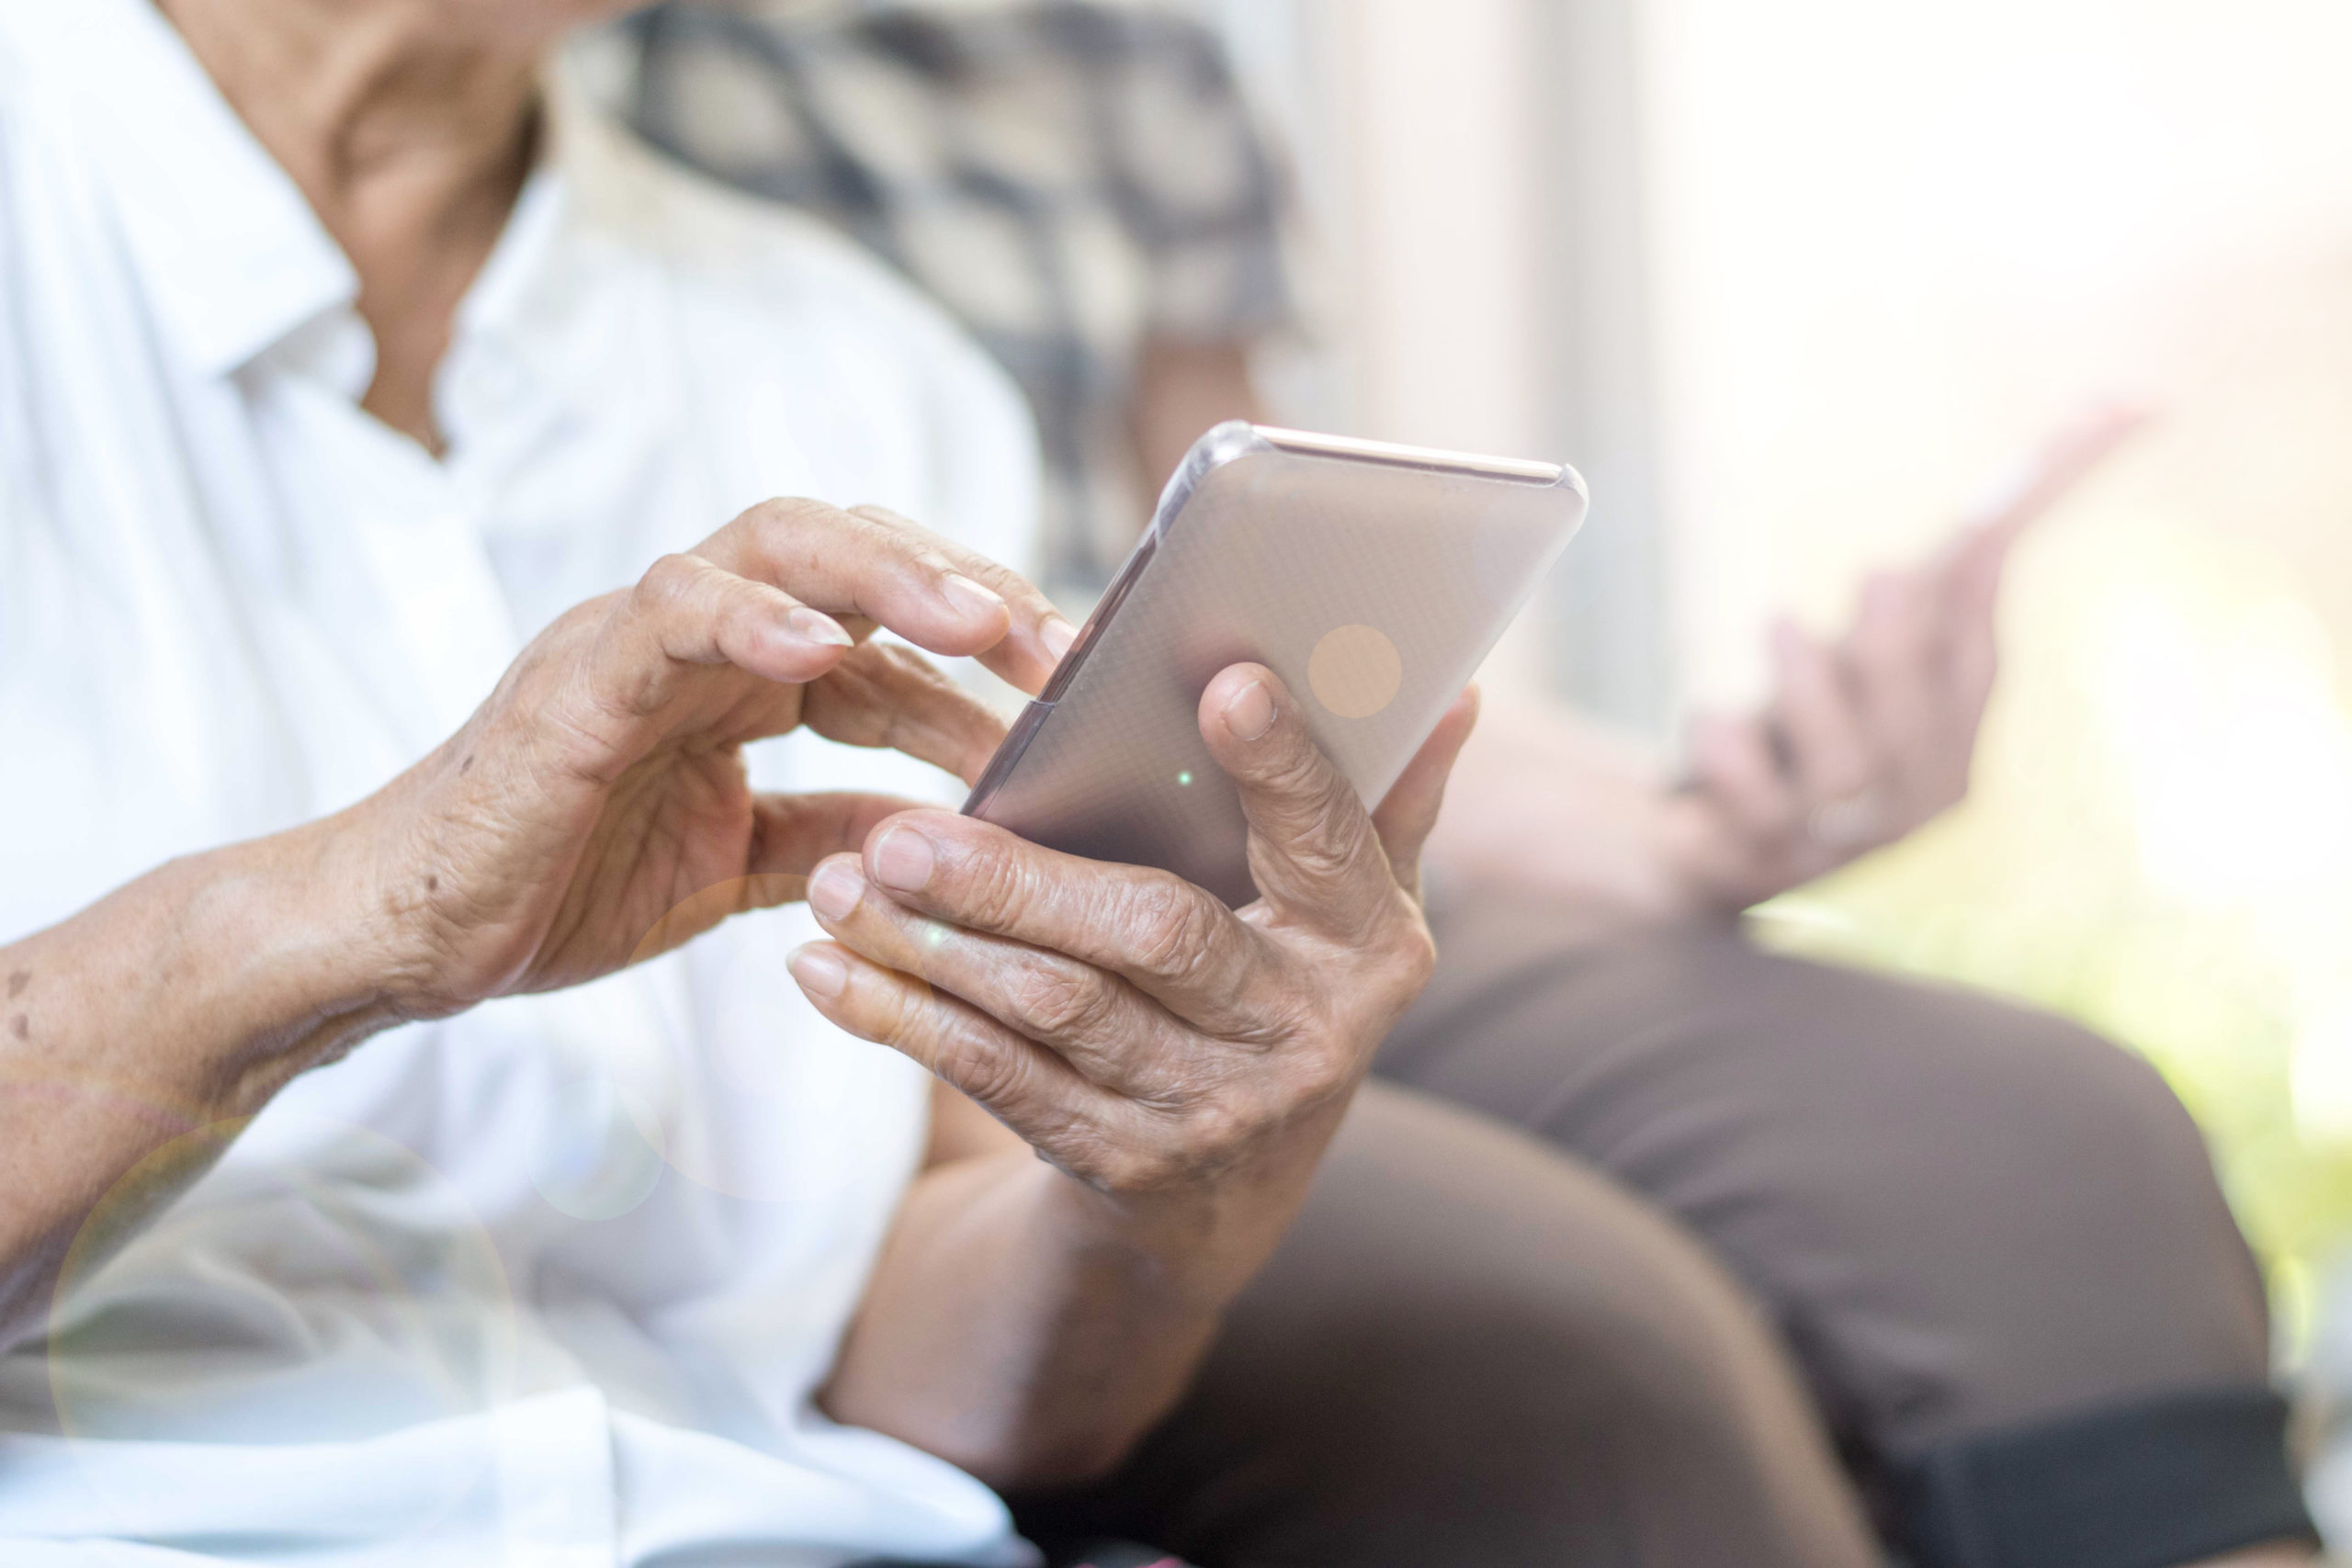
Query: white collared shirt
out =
(551, 1284)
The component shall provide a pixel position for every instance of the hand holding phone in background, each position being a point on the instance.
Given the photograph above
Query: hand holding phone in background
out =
(1865, 738)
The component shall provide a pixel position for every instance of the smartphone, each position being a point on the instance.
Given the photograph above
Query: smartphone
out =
(1372, 579)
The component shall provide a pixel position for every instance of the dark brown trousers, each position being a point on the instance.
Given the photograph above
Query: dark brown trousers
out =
(1663, 1251)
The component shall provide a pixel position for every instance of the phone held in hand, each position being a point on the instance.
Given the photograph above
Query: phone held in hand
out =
(1373, 580)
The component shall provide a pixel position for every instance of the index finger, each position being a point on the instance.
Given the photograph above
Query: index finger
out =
(1970, 569)
(873, 564)
(1175, 942)
(2027, 492)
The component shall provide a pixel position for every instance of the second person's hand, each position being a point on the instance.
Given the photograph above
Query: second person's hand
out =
(1868, 738)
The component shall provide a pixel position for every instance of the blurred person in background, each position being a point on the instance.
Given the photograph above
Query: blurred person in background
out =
(1990, 1244)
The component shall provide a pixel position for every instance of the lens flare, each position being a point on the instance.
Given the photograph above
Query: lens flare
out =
(1355, 671)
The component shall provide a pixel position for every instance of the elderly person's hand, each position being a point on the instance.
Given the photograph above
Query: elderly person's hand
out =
(579, 820)
(1139, 1034)
(1178, 1065)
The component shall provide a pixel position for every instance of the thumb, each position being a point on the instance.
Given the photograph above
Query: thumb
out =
(1311, 848)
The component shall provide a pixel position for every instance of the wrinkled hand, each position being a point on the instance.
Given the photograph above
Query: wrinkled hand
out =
(585, 814)
(1140, 1035)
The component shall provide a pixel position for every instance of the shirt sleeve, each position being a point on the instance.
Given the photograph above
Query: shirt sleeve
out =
(1199, 186)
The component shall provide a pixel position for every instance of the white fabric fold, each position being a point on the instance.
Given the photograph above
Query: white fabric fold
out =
(554, 1283)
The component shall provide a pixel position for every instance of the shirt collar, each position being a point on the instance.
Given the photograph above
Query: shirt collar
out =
(225, 245)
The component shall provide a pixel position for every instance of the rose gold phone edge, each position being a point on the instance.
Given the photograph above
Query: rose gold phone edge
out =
(1139, 788)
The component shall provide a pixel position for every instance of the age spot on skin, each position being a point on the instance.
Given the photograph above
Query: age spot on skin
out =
(20, 1027)
(433, 883)
(466, 766)
(17, 982)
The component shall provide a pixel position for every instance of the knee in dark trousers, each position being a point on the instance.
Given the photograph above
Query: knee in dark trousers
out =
(1471, 1351)
(1978, 1227)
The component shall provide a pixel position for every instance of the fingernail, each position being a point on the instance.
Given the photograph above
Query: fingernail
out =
(809, 625)
(969, 596)
(820, 973)
(1058, 636)
(836, 890)
(903, 861)
(1251, 711)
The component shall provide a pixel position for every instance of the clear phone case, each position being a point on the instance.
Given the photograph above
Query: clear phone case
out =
(1374, 580)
